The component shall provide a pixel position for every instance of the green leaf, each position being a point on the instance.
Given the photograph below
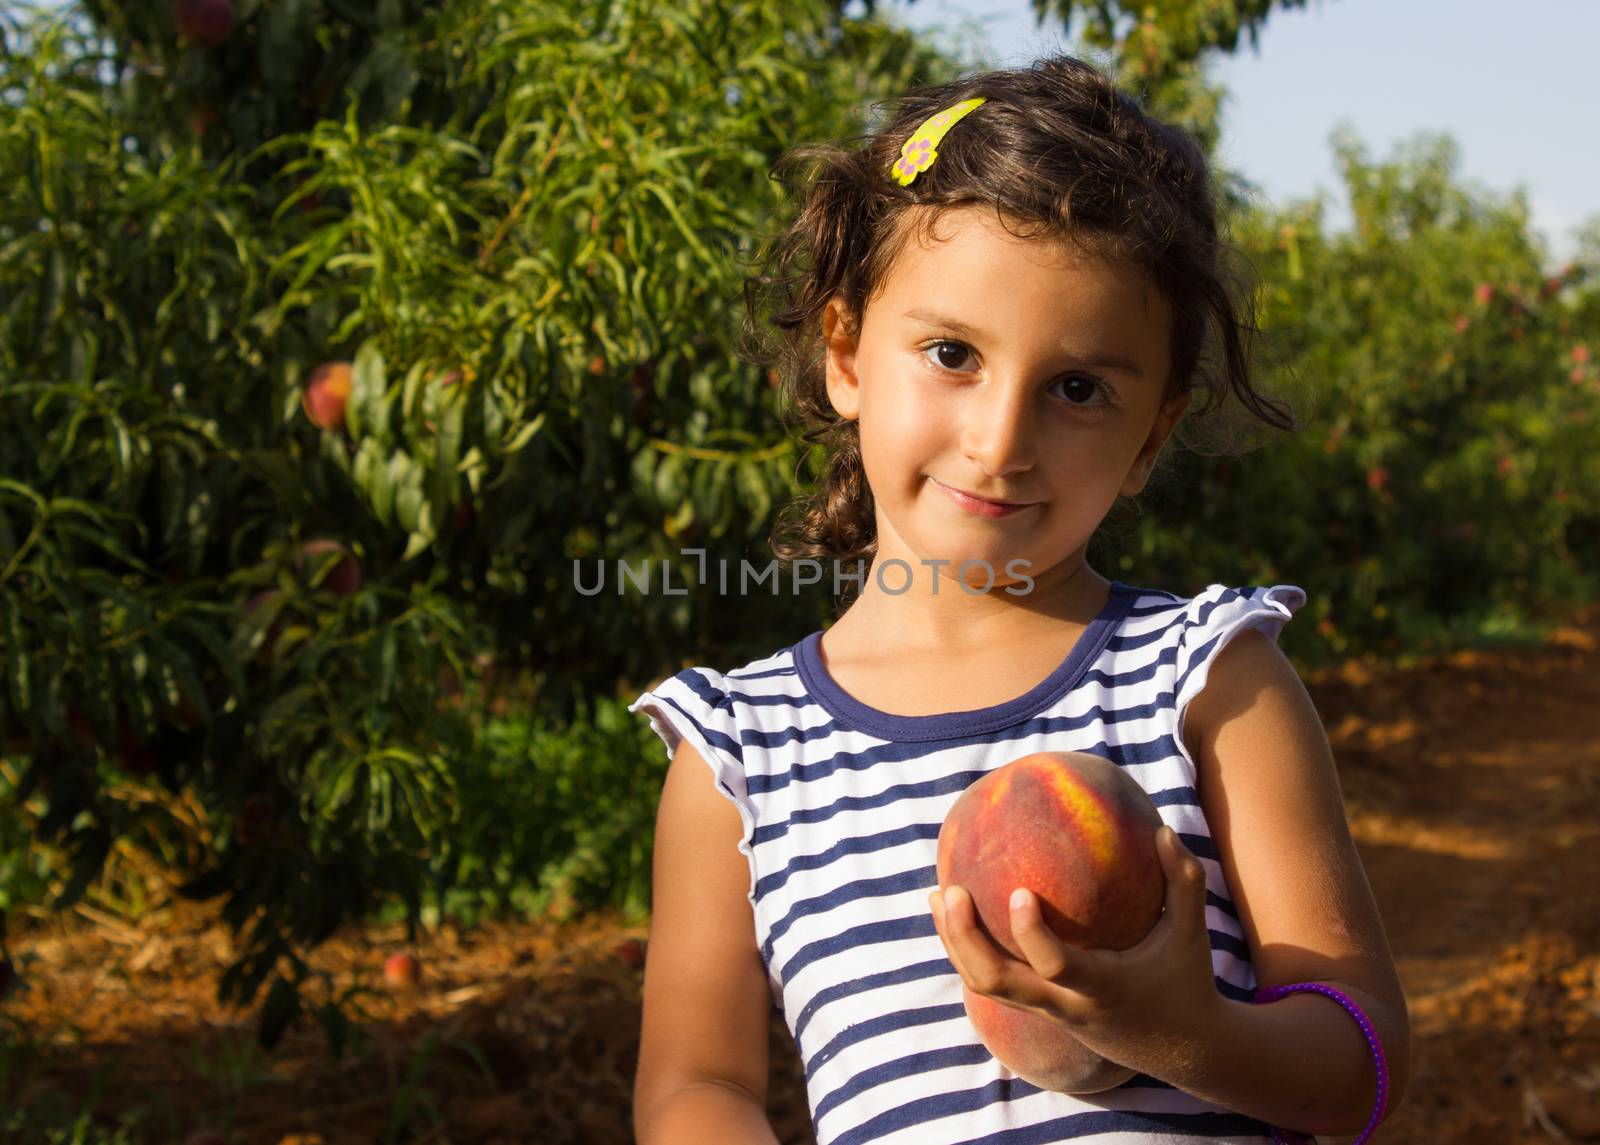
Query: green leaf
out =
(365, 413)
(281, 1007)
(523, 435)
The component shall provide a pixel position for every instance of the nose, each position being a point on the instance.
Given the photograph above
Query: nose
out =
(998, 427)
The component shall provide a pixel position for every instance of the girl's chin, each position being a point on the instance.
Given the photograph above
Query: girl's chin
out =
(1001, 565)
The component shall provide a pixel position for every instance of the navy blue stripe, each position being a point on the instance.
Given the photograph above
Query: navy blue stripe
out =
(1234, 993)
(867, 934)
(923, 878)
(1204, 1126)
(943, 785)
(1156, 750)
(901, 1019)
(1223, 941)
(1132, 675)
(1123, 643)
(1199, 845)
(893, 752)
(854, 986)
(715, 698)
(1222, 904)
(1182, 795)
(856, 845)
(1005, 1090)
(715, 739)
(1200, 655)
(766, 674)
(908, 1066)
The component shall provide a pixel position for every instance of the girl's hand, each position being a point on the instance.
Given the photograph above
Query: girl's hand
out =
(1137, 1007)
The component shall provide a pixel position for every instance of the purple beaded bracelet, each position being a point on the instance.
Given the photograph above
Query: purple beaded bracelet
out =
(1272, 994)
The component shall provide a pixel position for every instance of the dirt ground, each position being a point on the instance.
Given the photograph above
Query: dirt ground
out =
(1472, 783)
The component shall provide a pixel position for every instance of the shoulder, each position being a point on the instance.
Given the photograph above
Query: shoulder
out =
(1244, 671)
(1260, 754)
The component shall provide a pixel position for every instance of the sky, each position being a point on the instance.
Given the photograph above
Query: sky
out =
(1514, 85)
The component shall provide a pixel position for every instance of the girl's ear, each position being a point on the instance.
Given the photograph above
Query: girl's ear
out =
(839, 361)
(1166, 420)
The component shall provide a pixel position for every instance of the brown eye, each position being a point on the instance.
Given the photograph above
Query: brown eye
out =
(947, 355)
(1084, 386)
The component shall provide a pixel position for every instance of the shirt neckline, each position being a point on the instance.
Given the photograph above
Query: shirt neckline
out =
(848, 710)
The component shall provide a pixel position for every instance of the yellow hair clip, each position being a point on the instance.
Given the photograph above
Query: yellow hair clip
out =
(918, 153)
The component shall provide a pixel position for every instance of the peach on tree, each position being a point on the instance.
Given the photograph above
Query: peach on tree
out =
(327, 392)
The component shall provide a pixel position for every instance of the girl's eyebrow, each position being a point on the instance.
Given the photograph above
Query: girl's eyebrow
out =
(1097, 361)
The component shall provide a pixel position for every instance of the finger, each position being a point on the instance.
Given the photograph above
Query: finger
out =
(1081, 972)
(1046, 953)
(1186, 881)
(982, 964)
(944, 924)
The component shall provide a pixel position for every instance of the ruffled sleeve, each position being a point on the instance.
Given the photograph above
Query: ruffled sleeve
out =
(697, 705)
(1214, 618)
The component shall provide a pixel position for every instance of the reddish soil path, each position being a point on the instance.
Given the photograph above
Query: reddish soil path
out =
(1473, 787)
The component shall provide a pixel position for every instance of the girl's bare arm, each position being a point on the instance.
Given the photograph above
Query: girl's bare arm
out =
(1271, 797)
(703, 1064)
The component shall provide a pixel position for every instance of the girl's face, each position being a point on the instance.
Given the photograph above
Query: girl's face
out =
(1014, 369)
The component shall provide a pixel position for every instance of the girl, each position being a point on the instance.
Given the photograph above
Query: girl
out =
(1018, 286)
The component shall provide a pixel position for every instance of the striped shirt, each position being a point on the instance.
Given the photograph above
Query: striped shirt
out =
(841, 805)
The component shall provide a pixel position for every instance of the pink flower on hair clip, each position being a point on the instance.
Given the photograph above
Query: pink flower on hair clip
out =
(916, 156)
(917, 153)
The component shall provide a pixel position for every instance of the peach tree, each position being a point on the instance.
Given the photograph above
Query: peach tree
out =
(332, 334)
(1444, 485)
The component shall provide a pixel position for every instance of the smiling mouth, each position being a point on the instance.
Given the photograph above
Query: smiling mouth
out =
(981, 506)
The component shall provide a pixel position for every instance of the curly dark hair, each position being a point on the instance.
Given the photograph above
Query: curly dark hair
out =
(1056, 149)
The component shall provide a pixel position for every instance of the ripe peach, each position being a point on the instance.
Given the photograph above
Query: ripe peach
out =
(203, 23)
(1079, 833)
(326, 394)
(344, 577)
(401, 971)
